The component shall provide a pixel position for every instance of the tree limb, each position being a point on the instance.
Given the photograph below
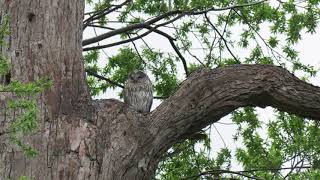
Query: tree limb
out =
(208, 95)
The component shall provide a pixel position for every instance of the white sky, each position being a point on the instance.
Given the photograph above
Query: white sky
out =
(308, 52)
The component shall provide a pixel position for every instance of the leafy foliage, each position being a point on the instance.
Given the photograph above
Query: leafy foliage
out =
(25, 108)
(291, 140)
(183, 160)
(268, 31)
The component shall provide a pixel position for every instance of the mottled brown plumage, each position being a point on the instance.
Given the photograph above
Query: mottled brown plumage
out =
(138, 92)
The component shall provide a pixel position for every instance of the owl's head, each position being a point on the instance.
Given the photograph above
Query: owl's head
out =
(138, 77)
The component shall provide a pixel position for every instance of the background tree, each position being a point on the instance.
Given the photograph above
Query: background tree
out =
(80, 138)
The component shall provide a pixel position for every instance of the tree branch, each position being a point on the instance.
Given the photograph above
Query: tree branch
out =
(184, 62)
(104, 12)
(127, 28)
(175, 48)
(223, 39)
(221, 171)
(151, 29)
(208, 95)
(276, 169)
(273, 51)
(104, 78)
(240, 173)
(180, 14)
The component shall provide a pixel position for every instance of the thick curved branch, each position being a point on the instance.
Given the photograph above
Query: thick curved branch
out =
(208, 95)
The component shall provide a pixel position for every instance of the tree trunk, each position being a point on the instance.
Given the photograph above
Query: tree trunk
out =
(80, 138)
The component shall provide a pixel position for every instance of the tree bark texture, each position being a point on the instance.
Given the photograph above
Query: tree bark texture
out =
(80, 138)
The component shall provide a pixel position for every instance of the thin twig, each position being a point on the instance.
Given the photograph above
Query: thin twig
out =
(184, 62)
(185, 47)
(223, 39)
(104, 78)
(221, 171)
(224, 143)
(263, 40)
(274, 169)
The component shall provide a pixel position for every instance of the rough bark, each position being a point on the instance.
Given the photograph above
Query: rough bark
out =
(80, 138)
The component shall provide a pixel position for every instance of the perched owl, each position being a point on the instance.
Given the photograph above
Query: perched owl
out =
(138, 92)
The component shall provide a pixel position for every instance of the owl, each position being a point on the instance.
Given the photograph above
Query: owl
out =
(138, 92)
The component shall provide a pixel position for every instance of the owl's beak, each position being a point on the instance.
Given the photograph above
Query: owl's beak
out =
(134, 79)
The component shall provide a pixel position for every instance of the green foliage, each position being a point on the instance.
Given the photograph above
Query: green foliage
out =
(183, 160)
(24, 178)
(121, 65)
(300, 135)
(273, 42)
(127, 60)
(257, 57)
(90, 60)
(25, 108)
(117, 68)
(164, 70)
(256, 154)
(290, 139)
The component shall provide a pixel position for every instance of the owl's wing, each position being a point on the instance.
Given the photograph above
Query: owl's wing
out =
(150, 103)
(125, 94)
(150, 97)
